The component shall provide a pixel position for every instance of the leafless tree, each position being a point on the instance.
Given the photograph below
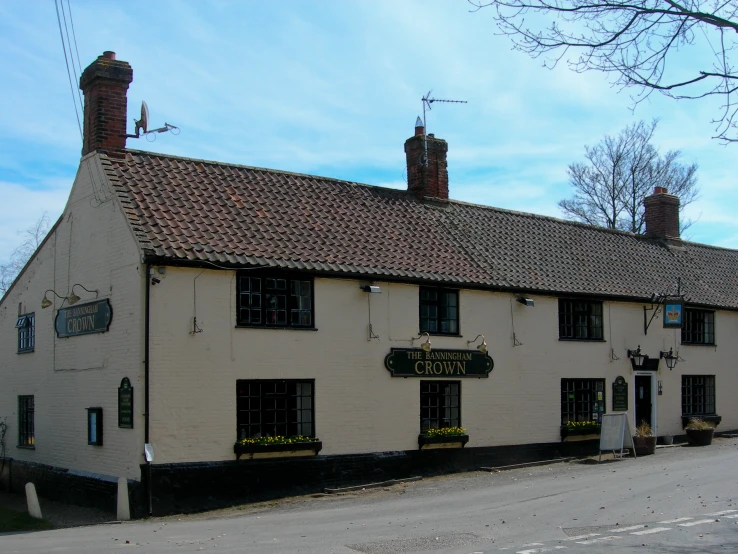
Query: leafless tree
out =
(642, 43)
(619, 173)
(32, 239)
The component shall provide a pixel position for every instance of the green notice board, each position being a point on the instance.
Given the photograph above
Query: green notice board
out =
(620, 395)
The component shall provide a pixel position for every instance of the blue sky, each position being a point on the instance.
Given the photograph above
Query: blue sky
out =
(330, 88)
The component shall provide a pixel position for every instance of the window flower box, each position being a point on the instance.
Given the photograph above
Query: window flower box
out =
(446, 437)
(581, 431)
(252, 451)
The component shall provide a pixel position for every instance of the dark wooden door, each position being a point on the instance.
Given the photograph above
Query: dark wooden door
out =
(643, 405)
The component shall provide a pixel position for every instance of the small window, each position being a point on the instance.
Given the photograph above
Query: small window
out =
(270, 408)
(698, 395)
(26, 326)
(698, 327)
(439, 311)
(582, 400)
(274, 300)
(95, 426)
(440, 404)
(580, 320)
(26, 422)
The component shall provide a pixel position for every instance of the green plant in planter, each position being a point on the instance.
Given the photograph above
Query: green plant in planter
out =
(592, 426)
(278, 439)
(699, 432)
(445, 432)
(644, 441)
(643, 430)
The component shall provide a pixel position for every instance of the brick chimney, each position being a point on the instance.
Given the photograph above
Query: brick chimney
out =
(104, 84)
(662, 214)
(427, 176)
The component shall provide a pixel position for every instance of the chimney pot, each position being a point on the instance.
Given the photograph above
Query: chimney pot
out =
(109, 55)
(660, 190)
(419, 127)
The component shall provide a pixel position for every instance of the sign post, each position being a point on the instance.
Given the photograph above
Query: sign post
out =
(615, 433)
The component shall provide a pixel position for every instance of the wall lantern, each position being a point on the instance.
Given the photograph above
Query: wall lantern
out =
(425, 346)
(73, 298)
(670, 358)
(481, 347)
(526, 301)
(45, 303)
(636, 357)
(373, 289)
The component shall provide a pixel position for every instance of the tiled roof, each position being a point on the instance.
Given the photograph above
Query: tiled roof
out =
(197, 211)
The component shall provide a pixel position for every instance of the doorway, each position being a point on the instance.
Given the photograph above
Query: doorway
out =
(643, 400)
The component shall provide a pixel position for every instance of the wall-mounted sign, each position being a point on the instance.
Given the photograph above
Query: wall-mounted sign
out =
(125, 404)
(95, 426)
(452, 364)
(673, 313)
(620, 395)
(83, 319)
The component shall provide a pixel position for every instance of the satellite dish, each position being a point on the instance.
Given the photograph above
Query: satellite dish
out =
(143, 123)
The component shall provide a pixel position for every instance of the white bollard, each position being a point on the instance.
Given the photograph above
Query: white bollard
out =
(124, 508)
(34, 509)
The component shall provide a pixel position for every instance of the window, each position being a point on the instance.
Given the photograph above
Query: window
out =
(439, 311)
(95, 426)
(698, 327)
(580, 319)
(275, 300)
(698, 395)
(26, 434)
(269, 408)
(582, 400)
(26, 326)
(440, 404)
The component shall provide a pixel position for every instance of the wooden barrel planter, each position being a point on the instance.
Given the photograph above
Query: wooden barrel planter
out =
(699, 437)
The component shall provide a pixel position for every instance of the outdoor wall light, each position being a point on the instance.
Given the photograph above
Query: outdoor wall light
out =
(73, 298)
(425, 346)
(526, 301)
(670, 358)
(45, 303)
(371, 289)
(636, 357)
(481, 347)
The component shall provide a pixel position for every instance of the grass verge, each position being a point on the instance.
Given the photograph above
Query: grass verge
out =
(10, 521)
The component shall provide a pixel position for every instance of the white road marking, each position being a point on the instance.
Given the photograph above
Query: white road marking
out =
(698, 522)
(601, 539)
(731, 517)
(624, 529)
(677, 520)
(537, 550)
(654, 530)
(722, 513)
(580, 537)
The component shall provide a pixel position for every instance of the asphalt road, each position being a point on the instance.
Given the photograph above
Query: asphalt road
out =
(681, 500)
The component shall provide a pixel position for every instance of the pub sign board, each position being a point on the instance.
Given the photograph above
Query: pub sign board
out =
(125, 404)
(84, 319)
(452, 364)
(673, 309)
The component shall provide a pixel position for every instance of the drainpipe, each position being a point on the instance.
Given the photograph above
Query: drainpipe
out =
(146, 383)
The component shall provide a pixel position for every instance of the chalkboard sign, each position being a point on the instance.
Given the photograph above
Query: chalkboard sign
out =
(619, 395)
(125, 404)
(615, 433)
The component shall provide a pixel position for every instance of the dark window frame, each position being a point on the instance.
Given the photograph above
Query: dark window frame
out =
(271, 407)
(435, 311)
(255, 288)
(585, 402)
(579, 319)
(26, 325)
(437, 407)
(698, 395)
(698, 327)
(26, 421)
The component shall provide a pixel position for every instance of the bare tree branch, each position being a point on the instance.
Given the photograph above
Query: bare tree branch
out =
(32, 239)
(640, 42)
(620, 172)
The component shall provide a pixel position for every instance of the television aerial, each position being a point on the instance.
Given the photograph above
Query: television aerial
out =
(427, 101)
(142, 125)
